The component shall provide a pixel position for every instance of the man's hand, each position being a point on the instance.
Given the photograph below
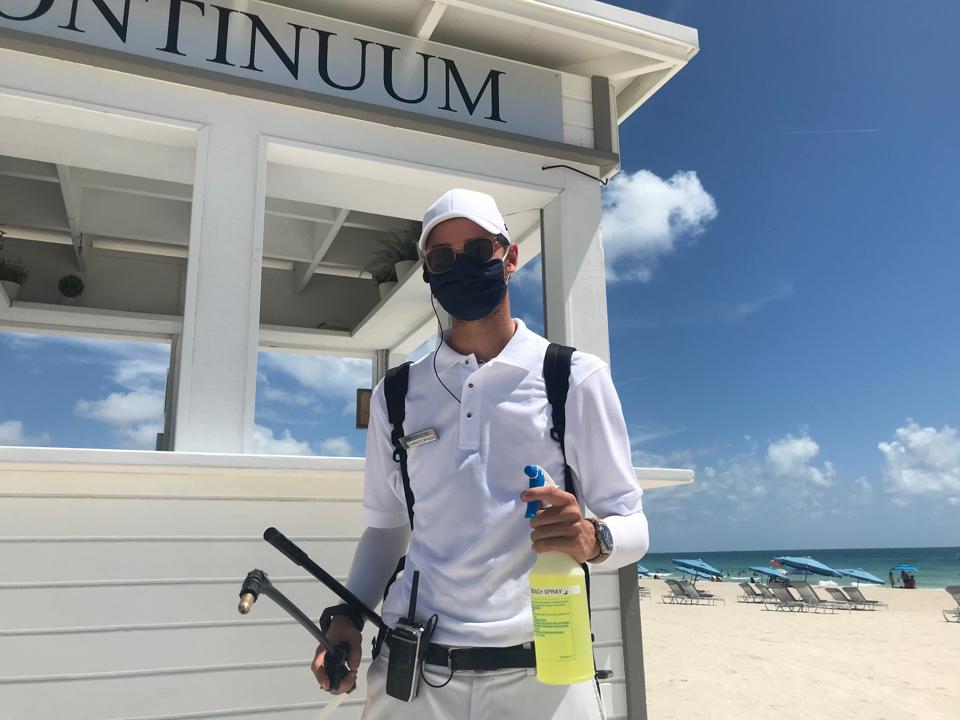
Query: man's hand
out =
(562, 527)
(341, 628)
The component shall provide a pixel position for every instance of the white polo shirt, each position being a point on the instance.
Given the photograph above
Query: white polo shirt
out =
(470, 540)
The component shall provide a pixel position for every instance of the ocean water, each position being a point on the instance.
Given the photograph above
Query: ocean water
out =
(938, 567)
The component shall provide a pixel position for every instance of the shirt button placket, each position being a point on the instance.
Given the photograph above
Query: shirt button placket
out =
(469, 433)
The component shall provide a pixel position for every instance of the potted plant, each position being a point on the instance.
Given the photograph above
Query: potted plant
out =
(407, 248)
(71, 287)
(384, 274)
(13, 274)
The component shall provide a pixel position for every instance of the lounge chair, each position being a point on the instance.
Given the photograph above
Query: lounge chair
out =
(840, 599)
(676, 596)
(644, 592)
(749, 594)
(699, 595)
(857, 597)
(814, 601)
(783, 600)
(767, 593)
(953, 614)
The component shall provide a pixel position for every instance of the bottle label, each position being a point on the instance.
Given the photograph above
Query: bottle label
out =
(554, 630)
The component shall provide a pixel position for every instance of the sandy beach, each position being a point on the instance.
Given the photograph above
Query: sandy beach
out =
(739, 661)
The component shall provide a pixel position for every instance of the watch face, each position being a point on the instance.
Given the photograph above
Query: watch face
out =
(606, 537)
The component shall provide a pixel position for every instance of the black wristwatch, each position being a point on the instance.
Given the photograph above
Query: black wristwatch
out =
(604, 540)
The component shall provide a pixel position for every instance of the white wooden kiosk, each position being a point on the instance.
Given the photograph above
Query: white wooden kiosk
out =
(218, 175)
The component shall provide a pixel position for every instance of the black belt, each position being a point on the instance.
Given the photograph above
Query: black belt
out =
(481, 658)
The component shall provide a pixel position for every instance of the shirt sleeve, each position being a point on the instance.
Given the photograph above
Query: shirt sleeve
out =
(384, 505)
(598, 450)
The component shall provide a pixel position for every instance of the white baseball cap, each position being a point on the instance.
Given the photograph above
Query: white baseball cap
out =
(470, 204)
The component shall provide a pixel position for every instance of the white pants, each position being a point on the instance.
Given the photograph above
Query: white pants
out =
(481, 695)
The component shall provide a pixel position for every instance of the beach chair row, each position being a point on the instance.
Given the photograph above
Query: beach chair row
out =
(781, 596)
(683, 592)
(953, 614)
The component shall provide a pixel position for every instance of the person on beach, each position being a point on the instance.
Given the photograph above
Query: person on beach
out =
(482, 392)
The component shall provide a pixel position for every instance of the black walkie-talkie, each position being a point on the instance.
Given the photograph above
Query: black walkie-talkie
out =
(408, 645)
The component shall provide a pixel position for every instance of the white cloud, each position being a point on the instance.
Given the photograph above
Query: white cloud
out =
(863, 492)
(746, 309)
(646, 217)
(790, 457)
(336, 446)
(785, 475)
(529, 278)
(923, 461)
(142, 436)
(142, 374)
(122, 408)
(275, 394)
(328, 376)
(135, 417)
(11, 433)
(265, 443)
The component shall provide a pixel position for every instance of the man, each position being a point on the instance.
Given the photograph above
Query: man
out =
(483, 393)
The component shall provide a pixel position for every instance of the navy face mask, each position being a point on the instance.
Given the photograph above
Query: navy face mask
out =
(469, 290)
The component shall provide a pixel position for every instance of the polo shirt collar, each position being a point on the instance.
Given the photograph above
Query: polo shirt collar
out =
(520, 351)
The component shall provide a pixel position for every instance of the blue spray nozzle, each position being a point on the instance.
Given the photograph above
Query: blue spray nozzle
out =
(535, 475)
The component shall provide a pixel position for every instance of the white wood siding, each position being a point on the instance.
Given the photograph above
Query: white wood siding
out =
(121, 583)
(577, 103)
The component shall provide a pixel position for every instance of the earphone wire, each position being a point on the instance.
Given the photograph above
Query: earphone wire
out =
(439, 343)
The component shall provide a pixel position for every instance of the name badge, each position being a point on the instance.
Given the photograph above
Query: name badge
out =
(418, 438)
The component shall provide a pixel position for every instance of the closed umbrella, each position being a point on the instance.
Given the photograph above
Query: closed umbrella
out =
(808, 565)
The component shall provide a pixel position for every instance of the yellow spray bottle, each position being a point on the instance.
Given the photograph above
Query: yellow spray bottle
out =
(561, 617)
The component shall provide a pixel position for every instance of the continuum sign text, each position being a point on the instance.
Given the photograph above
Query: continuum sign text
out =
(331, 57)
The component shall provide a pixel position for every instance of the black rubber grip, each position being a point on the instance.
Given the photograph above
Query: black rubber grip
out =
(335, 665)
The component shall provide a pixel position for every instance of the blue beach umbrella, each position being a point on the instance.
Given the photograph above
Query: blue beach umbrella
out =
(904, 568)
(861, 575)
(699, 566)
(642, 570)
(695, 574)
(808, 565)
(770, 572)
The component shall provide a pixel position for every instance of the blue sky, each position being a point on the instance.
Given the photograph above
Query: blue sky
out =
(783, 258)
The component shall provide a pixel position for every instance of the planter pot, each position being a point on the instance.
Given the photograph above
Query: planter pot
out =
(385, 288)
(11, 288)
(403, 267)
(64, 300)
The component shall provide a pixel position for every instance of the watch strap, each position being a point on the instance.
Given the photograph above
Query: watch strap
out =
(604, 550)
(356, 617)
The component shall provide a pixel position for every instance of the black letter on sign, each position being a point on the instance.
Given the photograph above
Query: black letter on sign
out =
(258, 27)
(41, 10)
(120, 28)
(173, 25)
(493, 79)
(388, 51)
(323, 62)
(223, 25)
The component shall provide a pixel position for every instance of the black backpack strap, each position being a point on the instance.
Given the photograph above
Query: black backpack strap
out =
(395, 384)
(556, 375)
(395, 392)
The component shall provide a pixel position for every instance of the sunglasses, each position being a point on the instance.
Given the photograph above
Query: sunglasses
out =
(441, 259)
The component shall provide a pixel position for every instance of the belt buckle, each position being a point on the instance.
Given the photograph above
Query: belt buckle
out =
(450, 650)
